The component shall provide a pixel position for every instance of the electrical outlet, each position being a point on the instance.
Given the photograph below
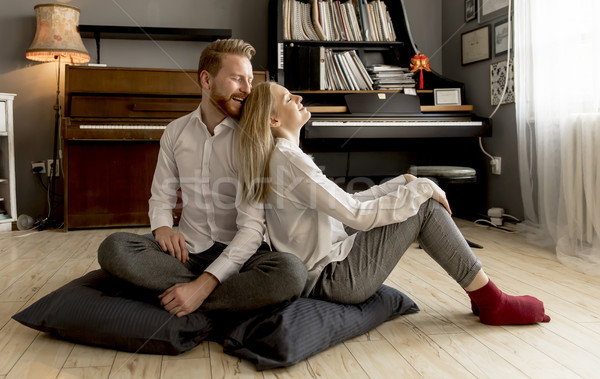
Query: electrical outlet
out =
(50, 168)
(496, 164)
(38, 167)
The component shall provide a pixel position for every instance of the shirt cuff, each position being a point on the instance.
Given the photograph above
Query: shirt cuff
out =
(222, 268)
(161, 220)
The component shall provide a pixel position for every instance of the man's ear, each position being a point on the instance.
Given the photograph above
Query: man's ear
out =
(205, 79)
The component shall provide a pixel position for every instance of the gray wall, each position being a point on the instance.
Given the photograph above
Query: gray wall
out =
(35, 83)
(503, 190)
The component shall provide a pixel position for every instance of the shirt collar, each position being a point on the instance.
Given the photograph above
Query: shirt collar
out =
(227, 122)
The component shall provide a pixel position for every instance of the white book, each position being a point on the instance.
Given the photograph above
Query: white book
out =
(286, 20)
(333, 70)
(374, 21)
(363, 71)
(316, 19)
(333, 21)
(347, 24)
(356, 29)
(349, 71)
(356, 77)
(382, 9)
(322, 70)
(342, 73)
(337, 13)
(325, 19)
(367, 23)
(307, 24)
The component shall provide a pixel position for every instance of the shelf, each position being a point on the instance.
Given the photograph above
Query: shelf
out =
(446, 108)
(149, 33)
(424, 108)
(338, 92)
(352, 44)
(152, 33)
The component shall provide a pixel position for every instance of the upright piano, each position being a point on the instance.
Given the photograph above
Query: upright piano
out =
(114, 118)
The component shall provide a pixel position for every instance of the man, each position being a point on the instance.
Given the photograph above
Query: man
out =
(211, 262)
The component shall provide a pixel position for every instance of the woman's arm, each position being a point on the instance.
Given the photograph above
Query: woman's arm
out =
(302, 182)
(383, 189)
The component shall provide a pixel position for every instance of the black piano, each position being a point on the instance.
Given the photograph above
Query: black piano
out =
(360, 138)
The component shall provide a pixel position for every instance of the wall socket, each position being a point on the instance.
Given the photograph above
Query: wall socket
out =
(38, 167)
(496, 164)
(50, 168)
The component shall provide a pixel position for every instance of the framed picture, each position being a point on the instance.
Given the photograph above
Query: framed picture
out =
(488, 10)
(470, 10)
(475, 45)
(498, 76)
(446, 96)
(500, 42)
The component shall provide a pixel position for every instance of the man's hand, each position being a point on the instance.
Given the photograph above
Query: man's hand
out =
(172, 242)
(439, 195)
(184, 298)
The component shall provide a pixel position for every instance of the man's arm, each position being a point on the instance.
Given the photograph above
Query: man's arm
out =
(184, 298)
(164, 197)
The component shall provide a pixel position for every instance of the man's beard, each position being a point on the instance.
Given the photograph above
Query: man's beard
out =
(227, 104)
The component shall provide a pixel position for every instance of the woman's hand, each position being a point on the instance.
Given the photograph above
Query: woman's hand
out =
(409, 178)
(439, 195)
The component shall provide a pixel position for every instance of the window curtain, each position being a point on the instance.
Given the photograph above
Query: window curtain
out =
(557, 90)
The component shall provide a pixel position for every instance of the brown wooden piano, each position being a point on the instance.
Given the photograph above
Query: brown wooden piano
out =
(114, 118)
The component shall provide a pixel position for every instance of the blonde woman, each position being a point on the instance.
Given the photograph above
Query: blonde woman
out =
(306, 215)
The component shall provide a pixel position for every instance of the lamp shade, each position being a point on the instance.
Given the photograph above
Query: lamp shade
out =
(56, 35)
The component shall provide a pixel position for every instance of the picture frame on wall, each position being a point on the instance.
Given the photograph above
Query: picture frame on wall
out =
(500, 37)
(470, 10)
(488, 10)
(475, 45)
(498, 76)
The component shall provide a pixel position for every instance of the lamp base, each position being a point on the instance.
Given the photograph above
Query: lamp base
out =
(47, 223)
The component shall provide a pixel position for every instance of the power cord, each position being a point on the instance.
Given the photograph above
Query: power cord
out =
(493, 161)
(496, 219)
(489, 223)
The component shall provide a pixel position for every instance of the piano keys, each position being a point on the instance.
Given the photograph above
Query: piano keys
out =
(382, 115)
(433, 126)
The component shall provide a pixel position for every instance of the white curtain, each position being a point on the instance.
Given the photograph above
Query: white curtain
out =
(557, 89)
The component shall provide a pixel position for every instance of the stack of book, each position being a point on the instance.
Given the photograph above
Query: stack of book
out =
(3, 213)
(321, 68)
(387, 77)
(345, 71)
(334, 20)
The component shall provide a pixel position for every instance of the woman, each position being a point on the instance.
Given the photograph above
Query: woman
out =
(307, 213)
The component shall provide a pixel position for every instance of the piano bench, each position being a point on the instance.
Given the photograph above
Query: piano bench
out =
(445, 174)
(447, 177)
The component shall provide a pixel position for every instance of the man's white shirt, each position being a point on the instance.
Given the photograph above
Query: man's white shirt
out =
(205, 168)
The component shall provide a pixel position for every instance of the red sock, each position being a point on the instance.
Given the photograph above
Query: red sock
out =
(497, 308)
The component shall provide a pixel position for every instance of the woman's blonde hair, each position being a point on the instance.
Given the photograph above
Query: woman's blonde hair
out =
(254, 142)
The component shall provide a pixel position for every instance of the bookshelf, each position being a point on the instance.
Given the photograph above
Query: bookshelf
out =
(8, 204)
(286, 67)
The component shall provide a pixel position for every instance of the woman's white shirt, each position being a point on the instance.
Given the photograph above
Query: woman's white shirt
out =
(306, 212)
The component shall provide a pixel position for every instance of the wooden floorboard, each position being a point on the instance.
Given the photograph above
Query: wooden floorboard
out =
(443, 340)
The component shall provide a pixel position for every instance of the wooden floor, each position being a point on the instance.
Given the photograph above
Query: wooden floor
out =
(443, 340)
